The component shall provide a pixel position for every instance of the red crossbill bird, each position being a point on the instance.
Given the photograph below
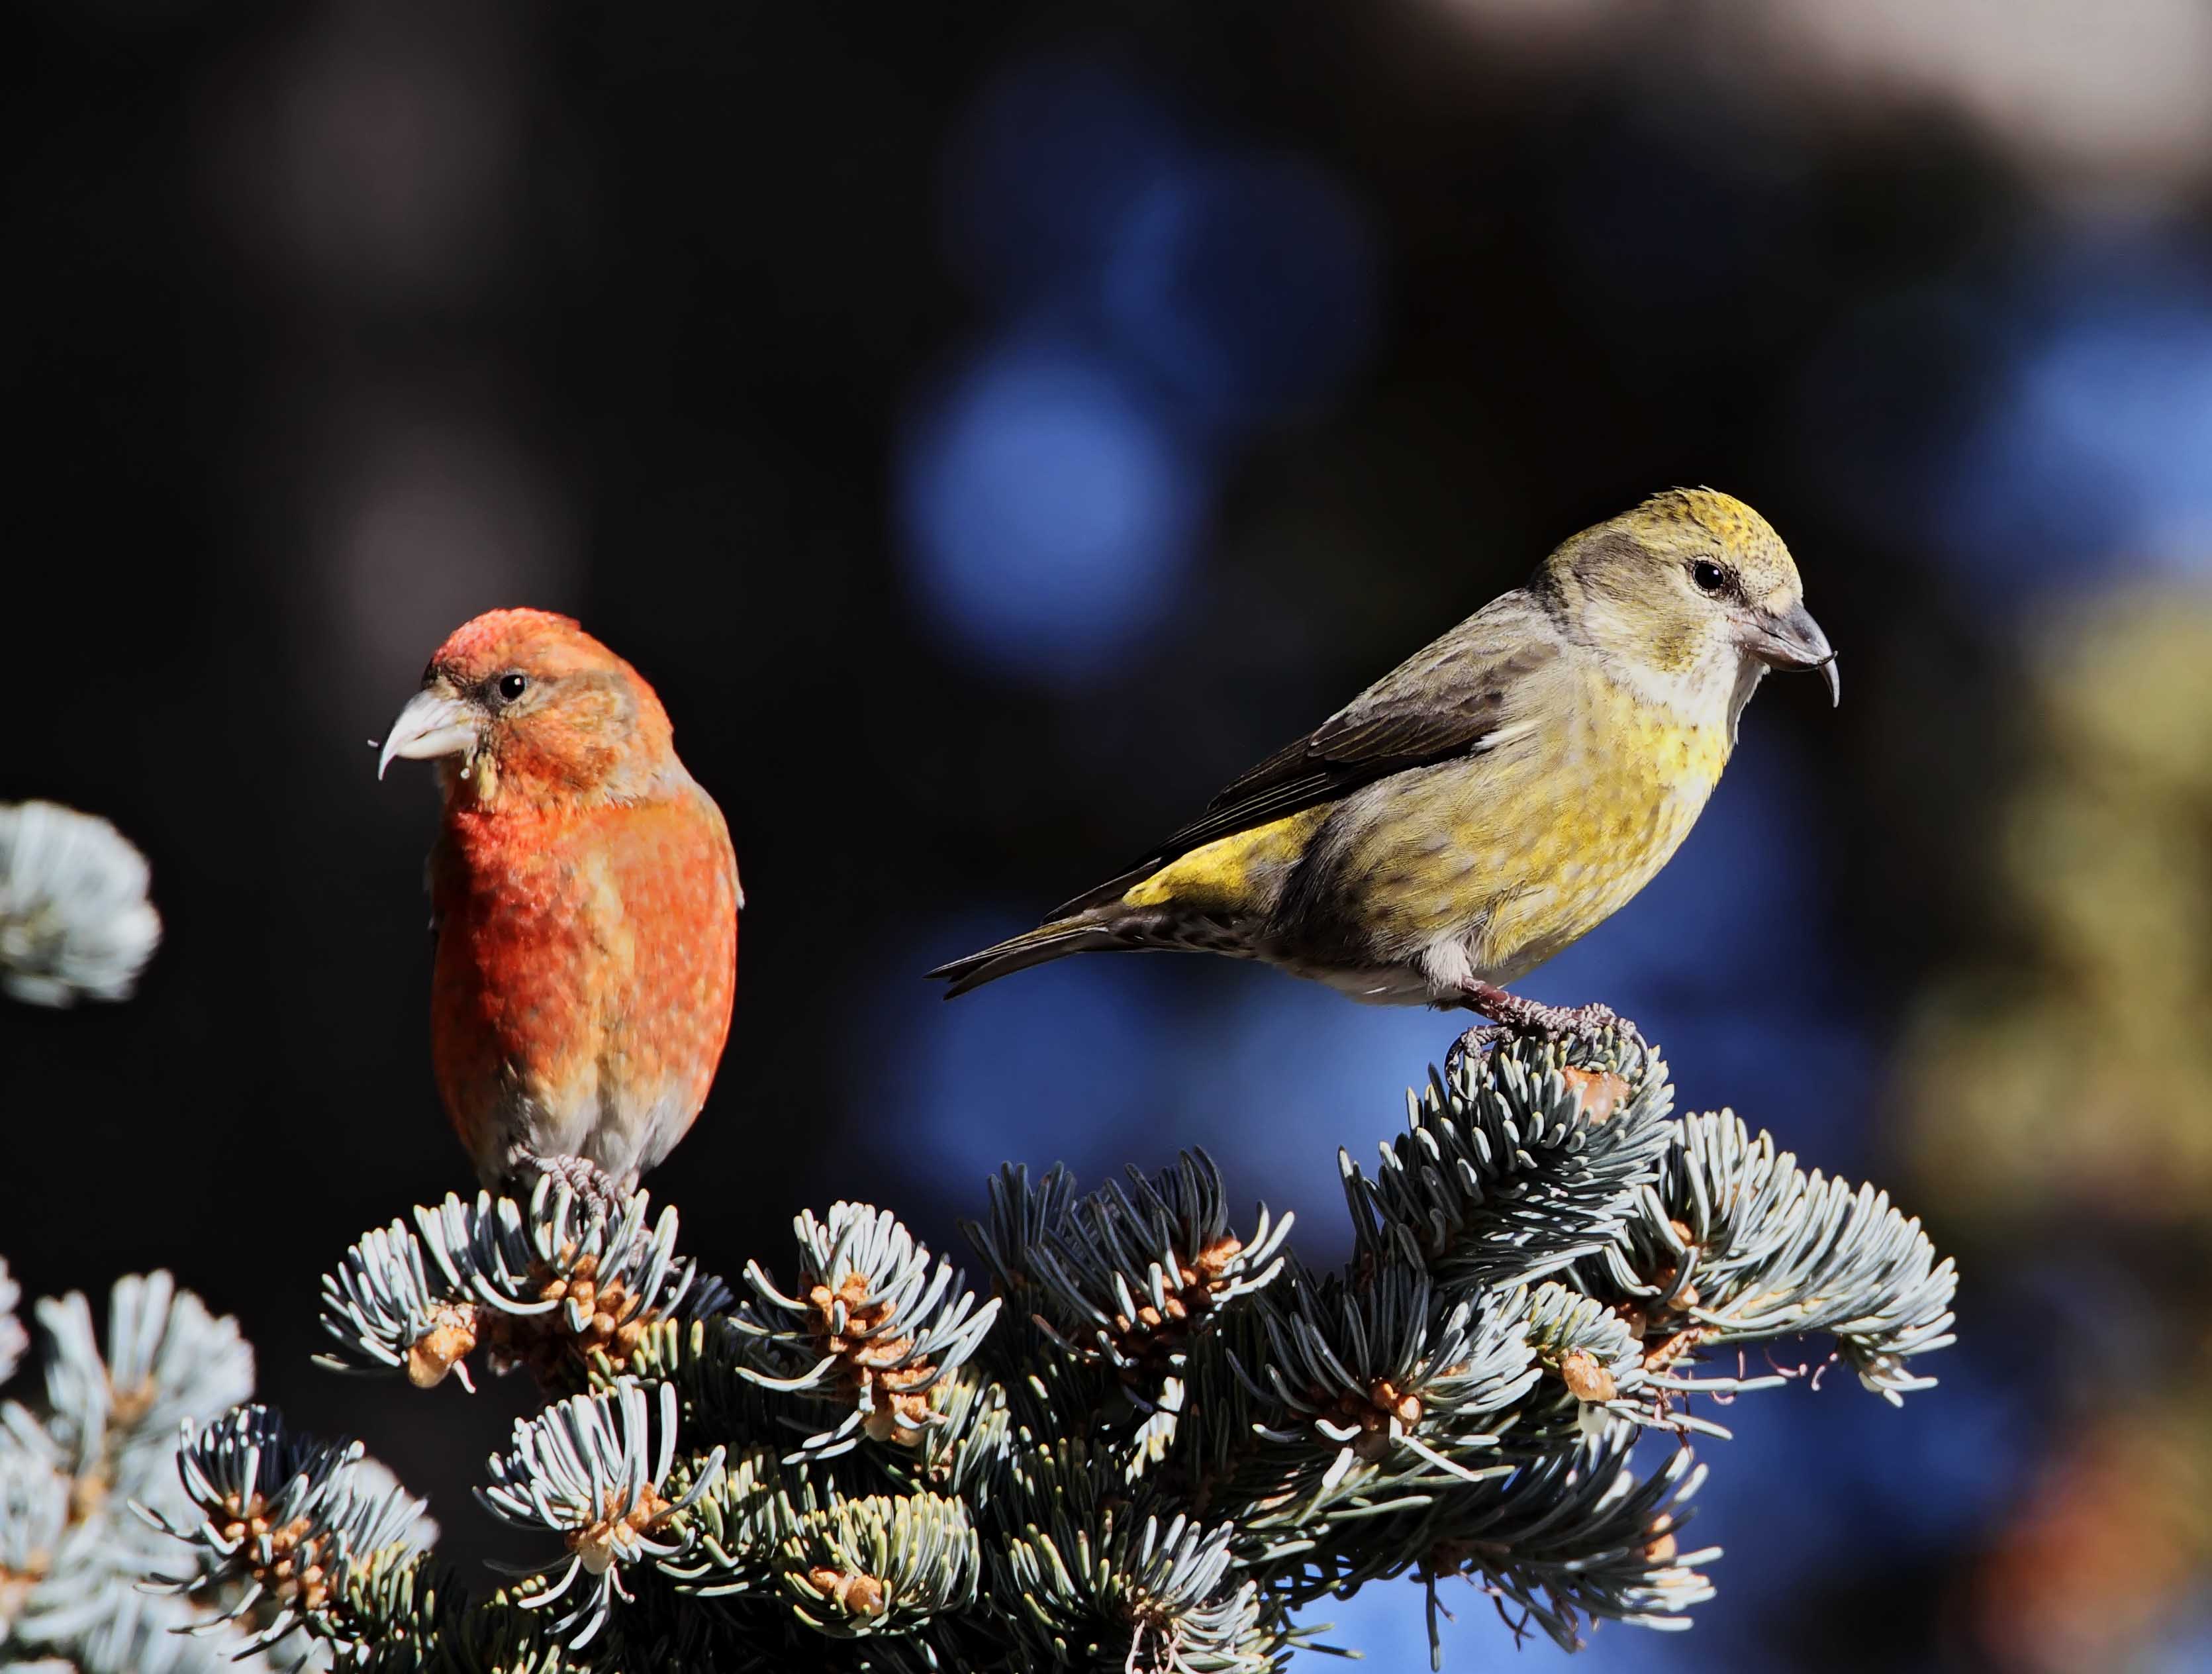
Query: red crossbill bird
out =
(1493, 798)
(585, 898)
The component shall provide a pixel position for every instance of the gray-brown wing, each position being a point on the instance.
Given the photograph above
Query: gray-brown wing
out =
(1451, 698)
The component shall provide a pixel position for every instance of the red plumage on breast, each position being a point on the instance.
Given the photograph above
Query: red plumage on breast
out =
(587, 969)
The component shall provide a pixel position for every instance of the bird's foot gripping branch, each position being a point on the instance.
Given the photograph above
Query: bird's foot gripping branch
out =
(1150, 1437)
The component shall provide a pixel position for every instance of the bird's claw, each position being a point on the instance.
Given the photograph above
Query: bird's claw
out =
(1588, 1023)
(592, 1185)
(1514, 1016)
(1472, 1045)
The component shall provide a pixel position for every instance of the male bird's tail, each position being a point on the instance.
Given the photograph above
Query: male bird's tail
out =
(1096, 932)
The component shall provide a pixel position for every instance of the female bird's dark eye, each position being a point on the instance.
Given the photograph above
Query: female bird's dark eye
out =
(512, 686)
(1708, 575)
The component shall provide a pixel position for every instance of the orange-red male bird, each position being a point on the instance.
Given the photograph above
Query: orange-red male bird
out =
(585, 898)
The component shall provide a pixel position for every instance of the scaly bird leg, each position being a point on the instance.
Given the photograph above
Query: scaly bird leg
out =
(1513, 1015)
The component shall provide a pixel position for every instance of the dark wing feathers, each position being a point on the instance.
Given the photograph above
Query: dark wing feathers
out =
(1445, 701)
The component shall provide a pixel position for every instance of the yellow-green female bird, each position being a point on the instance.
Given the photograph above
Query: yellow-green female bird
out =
(1494, 798)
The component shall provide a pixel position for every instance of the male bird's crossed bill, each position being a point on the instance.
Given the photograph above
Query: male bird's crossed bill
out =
(1493, 798)
(585, 896)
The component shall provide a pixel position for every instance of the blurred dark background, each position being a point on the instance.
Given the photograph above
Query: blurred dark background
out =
(991, 428)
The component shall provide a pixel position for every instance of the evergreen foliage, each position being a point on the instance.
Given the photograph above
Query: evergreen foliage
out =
(1151, 1438)
(75, 921)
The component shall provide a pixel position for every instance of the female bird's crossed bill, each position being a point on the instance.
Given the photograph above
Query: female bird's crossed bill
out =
(1495, 797)
(585, 897)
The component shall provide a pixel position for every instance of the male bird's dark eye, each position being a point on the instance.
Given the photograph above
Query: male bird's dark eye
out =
(1708, 575)
(512, 686)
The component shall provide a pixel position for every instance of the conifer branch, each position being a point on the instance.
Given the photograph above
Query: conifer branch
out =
(1161, 1443)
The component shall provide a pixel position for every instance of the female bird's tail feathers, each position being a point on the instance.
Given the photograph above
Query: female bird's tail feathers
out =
(1062, 936)
(1102, 922)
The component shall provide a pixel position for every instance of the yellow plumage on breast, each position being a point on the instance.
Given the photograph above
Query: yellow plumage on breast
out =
(1525, 848)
